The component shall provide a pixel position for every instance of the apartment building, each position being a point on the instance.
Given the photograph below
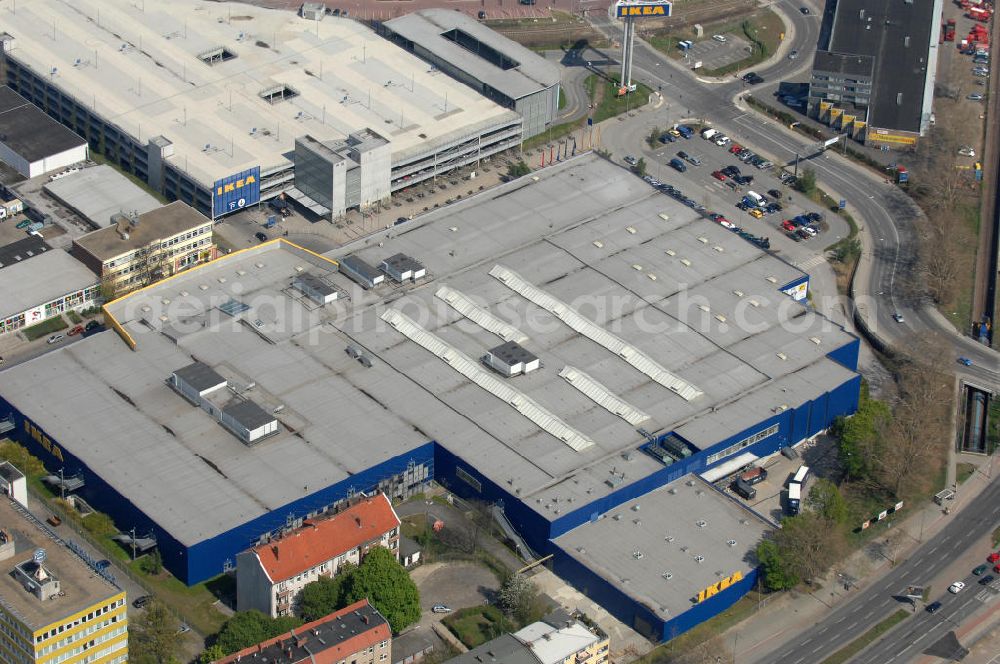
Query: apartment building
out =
(270, 576)
(557, 639)
(357, 634)
(54, 607)
(138, 250)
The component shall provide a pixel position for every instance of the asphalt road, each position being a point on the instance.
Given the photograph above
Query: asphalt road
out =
(888, 214)
(879, 600)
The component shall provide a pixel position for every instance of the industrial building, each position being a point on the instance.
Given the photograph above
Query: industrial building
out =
(667, 346)
(39, 282)
(270, 576)
(207, 108)
(55, 605)
(31, 142)
(99, 193)
(497, 67)
(873, 73)
(139, 249)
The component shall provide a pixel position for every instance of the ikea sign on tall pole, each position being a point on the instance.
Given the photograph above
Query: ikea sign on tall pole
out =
(236, 192)
(628, 9)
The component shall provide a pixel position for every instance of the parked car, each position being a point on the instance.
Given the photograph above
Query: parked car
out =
(441, 608)
(962, 360)
(956, 587)
(731, 171)
(54, 520)
(55, 338)
(102, 565)
(744, 179)
(794, 54)
(92, 325)
(678, 165)
(667, 137)
(898, 317)
(75, 330)
(756, 214)
(719, 38)
(261, 237)
(21, 225)
(142, 601)
(788, 225)
(630, 160)
(975, 96)
(718, 175)
(752, 78)
(933, 607)
(804, 10)
(774, 193)
(735, 148)
(986, 580)
(966, 151)
(980, 570)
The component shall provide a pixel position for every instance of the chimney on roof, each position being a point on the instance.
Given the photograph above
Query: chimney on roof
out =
(364, 618)
(358, 519)
(274, 550)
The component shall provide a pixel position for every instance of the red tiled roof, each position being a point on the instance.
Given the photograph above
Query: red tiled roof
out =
(320, 540)
(330, 639)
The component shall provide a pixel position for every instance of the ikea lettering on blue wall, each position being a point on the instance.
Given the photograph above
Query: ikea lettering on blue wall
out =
(236, 191)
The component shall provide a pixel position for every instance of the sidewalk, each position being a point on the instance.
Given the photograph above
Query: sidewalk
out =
(763, 633)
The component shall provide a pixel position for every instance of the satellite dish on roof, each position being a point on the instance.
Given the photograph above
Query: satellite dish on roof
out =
(39, 556)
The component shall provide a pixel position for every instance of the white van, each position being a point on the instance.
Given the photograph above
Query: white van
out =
(708, 133)
(756, 198)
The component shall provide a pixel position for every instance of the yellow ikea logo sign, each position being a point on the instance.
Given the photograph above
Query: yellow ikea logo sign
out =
(717, 588)
(233, 186)
(644, 10)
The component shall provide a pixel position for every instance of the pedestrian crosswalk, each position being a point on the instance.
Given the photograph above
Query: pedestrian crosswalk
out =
(810, 262)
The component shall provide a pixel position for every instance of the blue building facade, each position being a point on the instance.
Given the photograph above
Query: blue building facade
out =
(208, 558)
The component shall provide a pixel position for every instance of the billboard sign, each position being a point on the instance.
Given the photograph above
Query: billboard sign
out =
(236, 192)
(630, 8)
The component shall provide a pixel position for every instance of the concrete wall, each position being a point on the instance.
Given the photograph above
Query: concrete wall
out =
(58, 161)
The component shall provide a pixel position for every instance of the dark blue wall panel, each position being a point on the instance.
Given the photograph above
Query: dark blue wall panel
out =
(711, 607)
(847, 354)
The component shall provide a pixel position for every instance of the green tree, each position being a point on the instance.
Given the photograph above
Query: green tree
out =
(860, 437)
(247, 628)
(384, 582)
(212, 653)
(153, 636)
(807, 181)
(654, 136)
(640, 167)
(324, 595)
(778, 573)
(519, 169)
(518, 598)
(23, 460)
(151, 563)
(826, 500)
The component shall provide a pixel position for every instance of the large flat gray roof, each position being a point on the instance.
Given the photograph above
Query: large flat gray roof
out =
(40, 279)
(99, 192)
(427, 28)
(664, 533)
(143, 70)
(577, 233)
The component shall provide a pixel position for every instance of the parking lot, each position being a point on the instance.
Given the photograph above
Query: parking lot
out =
(719, 195)
(714, 54)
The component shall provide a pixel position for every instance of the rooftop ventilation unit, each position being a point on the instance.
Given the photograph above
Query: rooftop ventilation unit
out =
(701, 523)
(815, 340)
(630, 230)
(212, 56)
(667, 575)
(637, 267)
(685, 262)
(703, 240)
(670, 252)
(731, 542)
(668, 538)
(278, 93)
(771, 279)
(664, 216)
(637, 554)
(782, 356)
(699, 559)
(598, 244)
(738, 293)
(652, 277)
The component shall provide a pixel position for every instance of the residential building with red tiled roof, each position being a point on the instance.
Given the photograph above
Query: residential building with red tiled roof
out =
(357, 634)
(271, 575)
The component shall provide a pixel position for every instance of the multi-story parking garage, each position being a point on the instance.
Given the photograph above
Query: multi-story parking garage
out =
(655, 345)
(205, 102)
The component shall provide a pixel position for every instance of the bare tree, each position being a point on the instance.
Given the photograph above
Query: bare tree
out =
(712, 651)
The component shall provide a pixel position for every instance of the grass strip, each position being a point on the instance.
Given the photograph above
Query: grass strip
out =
(869, 637)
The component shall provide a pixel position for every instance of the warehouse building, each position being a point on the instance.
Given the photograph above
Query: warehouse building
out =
(31, 142)
(99, 193)
(207, 110)
(873, 76)
(39, 282)
(666, 347)
(491, 64)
